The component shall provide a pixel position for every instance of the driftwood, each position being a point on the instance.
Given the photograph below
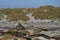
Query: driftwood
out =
(57, 37)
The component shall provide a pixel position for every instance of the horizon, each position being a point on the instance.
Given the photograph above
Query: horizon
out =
(28, 3)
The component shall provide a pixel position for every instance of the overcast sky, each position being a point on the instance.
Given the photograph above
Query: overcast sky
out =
(27, 3)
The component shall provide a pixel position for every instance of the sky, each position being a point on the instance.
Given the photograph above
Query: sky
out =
(27, 3)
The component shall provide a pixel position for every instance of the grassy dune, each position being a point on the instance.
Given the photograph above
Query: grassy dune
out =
(44, 12)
